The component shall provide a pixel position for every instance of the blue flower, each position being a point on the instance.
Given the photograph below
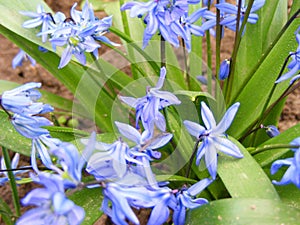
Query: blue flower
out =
(30, 126)
(186, 200)
(18, 59)
(294, 65)
(135, 191)
(22, 100)
(213, 137)
(147, 108)
(112, 160)
(71, 163)
(39, 18)
(224, 69)
(144, 142)
(52, 206)
(292, 174)
(14, 165)
(163, 16)
(77, 43)
(231, 13)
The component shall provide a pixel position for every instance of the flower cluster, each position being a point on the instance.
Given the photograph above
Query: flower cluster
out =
(79, 34)
(172, 19)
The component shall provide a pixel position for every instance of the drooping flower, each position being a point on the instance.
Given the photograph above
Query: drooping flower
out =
(71, 162)
(52, 206)
(294, 65)
(186, 200)
(213, 137)
(14, 164)
(271, 130)
(20, 57)
(224, 69)
(231, 12)
(23, 100)
(147, 108)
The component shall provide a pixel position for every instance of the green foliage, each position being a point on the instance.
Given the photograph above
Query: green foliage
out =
(244, 211)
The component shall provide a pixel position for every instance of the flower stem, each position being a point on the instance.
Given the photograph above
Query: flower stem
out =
(186, 68)
(237, 41)
(162, 52)
(209, 63)
(192, 158)
(271, 147)
(12, 181)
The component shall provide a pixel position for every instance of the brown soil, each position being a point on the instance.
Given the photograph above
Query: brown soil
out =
(26, 73)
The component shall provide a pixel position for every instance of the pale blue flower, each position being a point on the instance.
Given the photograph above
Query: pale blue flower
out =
(213, 137)
(14, 164)
(40, 148)
(30, 126)
(71, 162)
(292, 174)
(231, 11)
(23, 100)
(147, 108)
(144, 142)
(77, 42)
(294, 65)
(134, 191)
(20, 57)
(111, 160)
(186, 199)
(52, 206)
(39, 18)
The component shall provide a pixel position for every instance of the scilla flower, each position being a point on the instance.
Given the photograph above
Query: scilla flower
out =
(147, 107)
(213, 137)
(20, 57)
(52, 205)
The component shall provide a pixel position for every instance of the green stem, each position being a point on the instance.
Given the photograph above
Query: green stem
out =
(186, 69)
(192, 158)
(162, 52)
(209, 63)
(12, 182)
(238, 37)
(129, 47)
(271, 147)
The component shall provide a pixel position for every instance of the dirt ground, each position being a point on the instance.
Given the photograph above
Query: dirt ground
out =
(290, 115)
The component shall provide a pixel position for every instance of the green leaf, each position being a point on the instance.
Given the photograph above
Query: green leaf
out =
(11, 139)
(5, 213)
(90, 200)
(244, 212)
(262, 81)
(244, 178)
(267, 157)
(193, 95)
(66, 134)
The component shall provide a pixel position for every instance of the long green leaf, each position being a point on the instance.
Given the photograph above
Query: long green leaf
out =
(244, 212)
(244, 178)
(5, 213)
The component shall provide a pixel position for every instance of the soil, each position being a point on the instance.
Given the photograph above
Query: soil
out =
(26, 73)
